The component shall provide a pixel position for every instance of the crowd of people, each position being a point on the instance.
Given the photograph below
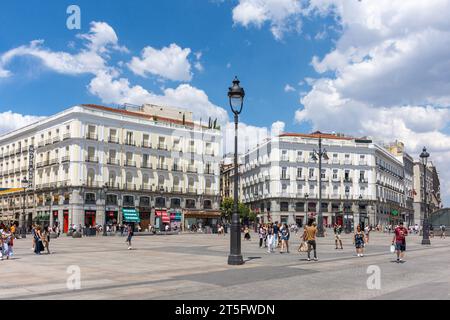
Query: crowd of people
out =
(276, 235)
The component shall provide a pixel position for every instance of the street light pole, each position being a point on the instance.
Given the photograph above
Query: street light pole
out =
(105, 190)
(25, 185)
(426, 231)
(321, 154)
(236, 96)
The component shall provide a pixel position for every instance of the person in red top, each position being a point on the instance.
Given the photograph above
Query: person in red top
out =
(400, 241)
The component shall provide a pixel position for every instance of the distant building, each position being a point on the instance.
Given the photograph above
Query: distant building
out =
(362, 181)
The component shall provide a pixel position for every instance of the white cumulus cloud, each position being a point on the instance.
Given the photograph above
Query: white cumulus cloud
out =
(169, 63)
(281, 14)
(10, 121)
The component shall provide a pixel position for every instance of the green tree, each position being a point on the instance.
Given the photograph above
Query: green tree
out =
(227, 207)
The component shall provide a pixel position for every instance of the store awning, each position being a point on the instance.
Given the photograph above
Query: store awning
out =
(164, 216)
(202, 214)
(130, 215)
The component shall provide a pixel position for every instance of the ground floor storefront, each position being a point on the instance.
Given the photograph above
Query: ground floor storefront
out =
(202, 220)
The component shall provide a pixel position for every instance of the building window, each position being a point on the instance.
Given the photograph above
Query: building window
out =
(311, 173)
(190, 203)
(300, 207)
(160, 202)
(284, 206)
(207, 204)
(111, 200)
(128, 201)
(144, 201)
(90, 198)
(175, 203)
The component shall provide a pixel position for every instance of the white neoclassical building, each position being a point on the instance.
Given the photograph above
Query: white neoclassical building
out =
(91, 160)
(361, 181)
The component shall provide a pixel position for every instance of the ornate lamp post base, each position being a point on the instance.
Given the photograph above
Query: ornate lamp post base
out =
(235, 260)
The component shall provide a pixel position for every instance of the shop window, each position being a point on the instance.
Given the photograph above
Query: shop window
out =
(299, 206)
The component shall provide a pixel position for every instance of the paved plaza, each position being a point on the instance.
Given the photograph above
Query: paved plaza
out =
(194, 266)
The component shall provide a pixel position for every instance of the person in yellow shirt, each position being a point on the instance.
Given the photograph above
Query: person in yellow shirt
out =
(13, 231)
(309, 235)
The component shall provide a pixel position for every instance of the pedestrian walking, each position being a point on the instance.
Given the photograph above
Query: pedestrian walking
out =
(285, 234)
(270, 239)
(46, 238)
(367, 230)
(399, 240)
(262, 235)
(247, 233)
(443, 231)
(309, 235)
(33, 238)
(38, 246)
(359, 241)
(6, 243)
(431, 231)
(276, 230)
(337, 235)
(130, 234)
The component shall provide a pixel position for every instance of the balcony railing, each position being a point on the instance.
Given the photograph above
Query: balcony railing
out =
(348, 180)
(115, 162)
(92, 159)
(285, 177)
(209, 192)
(65, 159)
(191, 169)
(363, 163)
(90, 201)
(130, 142)
(162, 146)
(130, 163)
(112, 139)
(302, 177)
(54, 161)
(177, 168)
(146, 165)
(162, 166)
(146, 187)
(66, 136)
(91, 136)
(192, 190)
(208, 170)
(209, 152)
(177, 148)
(363, 180)
(177, 189)
(130, 186)
(146, 144)
(284, 158)
(41, 144)
(56, 139)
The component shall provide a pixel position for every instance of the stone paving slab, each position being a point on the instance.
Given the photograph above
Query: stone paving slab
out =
(194, 266)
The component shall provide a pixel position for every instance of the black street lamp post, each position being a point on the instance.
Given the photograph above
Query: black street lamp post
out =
(25, 184)
(426, 228)
(321, 154)
(346, 213)
(236, 96)
(105, 191)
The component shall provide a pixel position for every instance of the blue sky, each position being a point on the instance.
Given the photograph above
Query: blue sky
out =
(365, 68)
(263, 64)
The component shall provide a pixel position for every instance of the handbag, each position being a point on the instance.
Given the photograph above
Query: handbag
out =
(392, 248)
(303, 247)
